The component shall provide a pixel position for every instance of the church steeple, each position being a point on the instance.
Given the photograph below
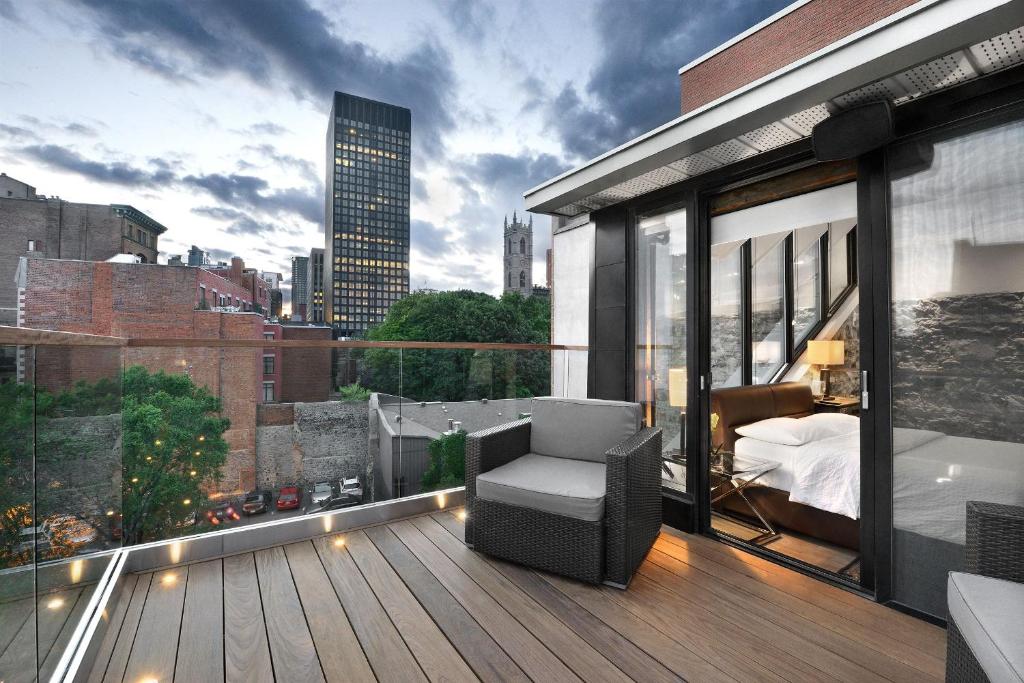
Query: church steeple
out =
(517, 273)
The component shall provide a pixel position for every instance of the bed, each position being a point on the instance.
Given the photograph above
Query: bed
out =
(816, 488)
(746, 405)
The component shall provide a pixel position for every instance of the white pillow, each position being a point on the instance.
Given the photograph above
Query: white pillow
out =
(834, 423)
(789, 431)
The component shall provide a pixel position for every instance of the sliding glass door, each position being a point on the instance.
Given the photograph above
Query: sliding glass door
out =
(783, 342)
(957, 315)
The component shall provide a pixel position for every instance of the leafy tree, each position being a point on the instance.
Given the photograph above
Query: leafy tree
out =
(354, 392)
(173, 450)
(455, 375)
(447, 462)
(17, 438)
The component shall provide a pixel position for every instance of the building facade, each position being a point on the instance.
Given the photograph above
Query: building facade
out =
(275, 298)
(366, 247)
(300, 288)
(32, 225)
(256, 295)
(518, 258)
(197, 257)
(839, 203)
(315, 280)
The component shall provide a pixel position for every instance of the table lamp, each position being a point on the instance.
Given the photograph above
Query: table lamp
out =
(826, 352)
(677, 399)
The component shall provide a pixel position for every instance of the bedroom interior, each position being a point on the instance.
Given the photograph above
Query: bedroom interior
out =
(785, 462)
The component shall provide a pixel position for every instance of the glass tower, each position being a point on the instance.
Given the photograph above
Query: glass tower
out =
(366, 259)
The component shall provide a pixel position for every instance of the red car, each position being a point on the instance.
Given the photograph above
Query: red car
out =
(289, 498)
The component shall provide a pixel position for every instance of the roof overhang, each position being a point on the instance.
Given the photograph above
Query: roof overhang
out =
(678, 149)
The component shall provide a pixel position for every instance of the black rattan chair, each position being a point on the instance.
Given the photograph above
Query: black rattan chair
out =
(575, 489)
(995, 556)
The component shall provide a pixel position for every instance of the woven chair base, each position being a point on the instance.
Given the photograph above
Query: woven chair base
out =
(542, 540)
(961, 665)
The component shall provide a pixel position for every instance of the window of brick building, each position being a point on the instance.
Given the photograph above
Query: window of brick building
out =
(268, 365)
(268, 392)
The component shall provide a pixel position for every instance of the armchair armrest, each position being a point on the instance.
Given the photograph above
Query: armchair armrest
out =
(488, 449)
(995, 540)
(632, 504)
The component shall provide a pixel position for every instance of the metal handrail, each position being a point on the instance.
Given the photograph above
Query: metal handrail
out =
(23, 336)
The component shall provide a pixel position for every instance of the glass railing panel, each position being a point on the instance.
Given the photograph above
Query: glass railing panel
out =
(19, 533)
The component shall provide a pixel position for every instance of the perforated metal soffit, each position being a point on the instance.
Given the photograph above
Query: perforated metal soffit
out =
(996, 53)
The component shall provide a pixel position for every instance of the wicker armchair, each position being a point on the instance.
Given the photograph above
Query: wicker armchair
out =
(575, 489)
(985, 633)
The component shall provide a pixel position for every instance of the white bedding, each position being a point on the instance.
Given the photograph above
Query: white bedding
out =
(934, 476)
(823, 473)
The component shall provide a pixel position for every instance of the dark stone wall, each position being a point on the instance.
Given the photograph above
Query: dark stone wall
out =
(958, 365)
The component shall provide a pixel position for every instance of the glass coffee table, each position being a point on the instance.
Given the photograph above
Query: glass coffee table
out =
(735, 475)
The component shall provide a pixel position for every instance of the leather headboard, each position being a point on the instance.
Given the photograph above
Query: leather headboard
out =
(738, 406)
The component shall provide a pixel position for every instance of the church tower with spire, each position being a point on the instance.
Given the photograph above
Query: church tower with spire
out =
(518, 261)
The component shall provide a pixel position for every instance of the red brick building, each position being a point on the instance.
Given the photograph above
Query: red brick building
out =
(150, 302)
(256, 292)
(796, 31)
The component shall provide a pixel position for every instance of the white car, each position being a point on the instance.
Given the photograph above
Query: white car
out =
(321, 492)
(352, 487)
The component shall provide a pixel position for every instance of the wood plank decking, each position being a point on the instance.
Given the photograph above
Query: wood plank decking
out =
(407, 601)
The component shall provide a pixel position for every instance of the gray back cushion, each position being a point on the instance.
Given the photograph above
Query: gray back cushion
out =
(580, 428)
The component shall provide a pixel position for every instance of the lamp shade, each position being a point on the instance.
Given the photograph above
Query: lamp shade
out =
(826, 352)
(677, 387)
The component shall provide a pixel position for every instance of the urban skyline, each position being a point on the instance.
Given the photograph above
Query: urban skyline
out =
(242, 174)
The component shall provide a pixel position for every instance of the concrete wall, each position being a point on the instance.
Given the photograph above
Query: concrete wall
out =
(310, 442)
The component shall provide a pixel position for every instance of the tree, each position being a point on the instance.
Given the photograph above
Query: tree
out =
(173, 451)
(17, 439)
(447, 462)
(456, 375)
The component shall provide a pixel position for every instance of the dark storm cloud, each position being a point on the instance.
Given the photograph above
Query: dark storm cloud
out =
(271, 43)
(8, 12)
(252, 192)
(505, 176)
(427, 238)
(269, 153)
(18, 133)
(239, 222)
(634, 86)
(116, 173)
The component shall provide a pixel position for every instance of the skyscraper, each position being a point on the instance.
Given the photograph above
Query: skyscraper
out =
(315, 283)
(518, 259)
(366, 259)
(300, 288)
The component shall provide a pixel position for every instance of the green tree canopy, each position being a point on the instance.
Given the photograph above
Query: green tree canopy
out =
(173, 450)
(455, 375)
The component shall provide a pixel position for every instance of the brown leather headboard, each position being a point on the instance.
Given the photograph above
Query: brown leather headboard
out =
(738, 406)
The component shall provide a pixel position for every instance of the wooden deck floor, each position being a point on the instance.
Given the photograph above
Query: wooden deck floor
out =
(408, 601)
(52, 617)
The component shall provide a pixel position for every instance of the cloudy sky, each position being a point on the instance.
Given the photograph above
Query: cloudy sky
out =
(210, 115)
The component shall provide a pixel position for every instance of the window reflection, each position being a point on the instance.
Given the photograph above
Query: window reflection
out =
(958, 363)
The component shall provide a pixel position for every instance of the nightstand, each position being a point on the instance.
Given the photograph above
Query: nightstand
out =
(837, 404)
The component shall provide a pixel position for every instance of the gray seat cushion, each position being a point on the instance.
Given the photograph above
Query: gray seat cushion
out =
(571, 488)
(580, 428)
(988, 613)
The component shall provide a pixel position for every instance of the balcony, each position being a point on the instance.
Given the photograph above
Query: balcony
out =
(95, 585)
(406, 600)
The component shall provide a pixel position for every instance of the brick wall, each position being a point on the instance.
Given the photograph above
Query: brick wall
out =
(305, 373)
(60, 229)
(149, 301)
(798, 34)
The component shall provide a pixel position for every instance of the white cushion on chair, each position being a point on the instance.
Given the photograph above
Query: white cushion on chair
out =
(580, 428)
(571, 488)
(988, 613)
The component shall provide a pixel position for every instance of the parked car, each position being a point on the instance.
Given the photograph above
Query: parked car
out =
(321, 491)
(222, 513)
(352, 487)
(256, 502)
(289, 497)
(338, 502)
